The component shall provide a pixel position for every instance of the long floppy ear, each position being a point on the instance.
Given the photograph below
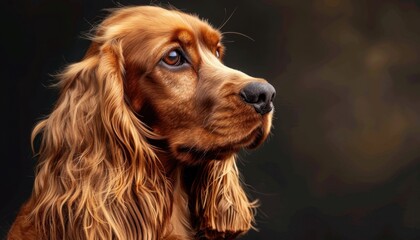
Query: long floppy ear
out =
(221, 207)
(97, 178)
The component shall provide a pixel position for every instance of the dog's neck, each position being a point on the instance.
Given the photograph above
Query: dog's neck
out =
(181, 217)
(180, 226)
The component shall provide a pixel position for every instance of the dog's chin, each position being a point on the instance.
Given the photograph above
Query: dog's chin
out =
(196, 154)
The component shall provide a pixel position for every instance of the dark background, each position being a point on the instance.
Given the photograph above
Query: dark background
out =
(343, 161)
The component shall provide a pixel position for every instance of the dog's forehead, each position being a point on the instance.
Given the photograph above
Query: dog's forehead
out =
(202, 28)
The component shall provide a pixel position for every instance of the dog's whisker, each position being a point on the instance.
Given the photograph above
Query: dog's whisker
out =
(225, 22)
(231, 41)
(240, 34)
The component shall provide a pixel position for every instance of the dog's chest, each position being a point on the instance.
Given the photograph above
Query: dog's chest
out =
(180, 226)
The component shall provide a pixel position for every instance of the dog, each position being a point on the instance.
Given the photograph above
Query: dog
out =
(142, 140)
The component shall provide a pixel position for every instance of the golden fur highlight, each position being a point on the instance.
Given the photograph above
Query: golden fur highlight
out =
(221, 202)
(102, 178)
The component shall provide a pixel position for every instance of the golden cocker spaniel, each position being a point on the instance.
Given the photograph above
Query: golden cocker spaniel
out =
(141, 143)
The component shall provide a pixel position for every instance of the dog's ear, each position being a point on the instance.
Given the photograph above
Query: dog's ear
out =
(221, 208)
(98, 177)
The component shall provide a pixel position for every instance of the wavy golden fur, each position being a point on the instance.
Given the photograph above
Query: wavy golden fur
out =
(141, 143)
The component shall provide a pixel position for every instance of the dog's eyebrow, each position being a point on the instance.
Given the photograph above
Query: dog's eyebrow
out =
(184, 36)
(210, 37)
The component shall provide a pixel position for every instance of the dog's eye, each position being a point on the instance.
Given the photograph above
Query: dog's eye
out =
(217, 54)
(174, 58)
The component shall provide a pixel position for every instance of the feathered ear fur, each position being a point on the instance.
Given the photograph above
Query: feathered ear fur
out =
(220, 205)
(97, 178)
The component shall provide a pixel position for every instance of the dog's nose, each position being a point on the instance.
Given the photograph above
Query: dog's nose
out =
(259, 95)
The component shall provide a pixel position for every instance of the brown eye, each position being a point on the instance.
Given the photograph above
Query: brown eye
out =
(173, 58)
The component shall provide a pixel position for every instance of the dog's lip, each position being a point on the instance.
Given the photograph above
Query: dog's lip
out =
(258, 138)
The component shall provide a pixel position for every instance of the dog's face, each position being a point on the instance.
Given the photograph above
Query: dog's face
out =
(176, 81)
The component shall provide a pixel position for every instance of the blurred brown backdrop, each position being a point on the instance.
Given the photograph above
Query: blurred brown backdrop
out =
(343, 161)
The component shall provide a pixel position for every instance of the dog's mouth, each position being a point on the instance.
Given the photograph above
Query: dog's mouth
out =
(198, 154)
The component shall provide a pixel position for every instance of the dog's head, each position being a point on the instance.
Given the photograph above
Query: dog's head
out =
(176, 81)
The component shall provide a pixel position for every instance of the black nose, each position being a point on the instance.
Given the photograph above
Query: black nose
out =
(259, 95)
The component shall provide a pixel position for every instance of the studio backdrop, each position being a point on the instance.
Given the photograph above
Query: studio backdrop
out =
(343, 158)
